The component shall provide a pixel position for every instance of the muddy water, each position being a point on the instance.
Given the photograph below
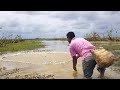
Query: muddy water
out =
(59, 46)
(51, 62)
(43, 63)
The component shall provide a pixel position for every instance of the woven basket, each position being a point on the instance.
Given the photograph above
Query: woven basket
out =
(103, 57)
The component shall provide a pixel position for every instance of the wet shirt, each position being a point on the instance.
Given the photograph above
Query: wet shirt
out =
(81, 47)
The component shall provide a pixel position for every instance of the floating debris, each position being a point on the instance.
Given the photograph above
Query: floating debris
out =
(4, 68)
(36, 76)
(9, 72)
(3, 57)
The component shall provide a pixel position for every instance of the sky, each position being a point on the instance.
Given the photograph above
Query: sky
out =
(56, 24)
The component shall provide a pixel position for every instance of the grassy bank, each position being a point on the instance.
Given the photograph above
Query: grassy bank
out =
(112, 47)
(21, 46)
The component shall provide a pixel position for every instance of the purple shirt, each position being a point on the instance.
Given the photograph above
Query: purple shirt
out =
(81, 47)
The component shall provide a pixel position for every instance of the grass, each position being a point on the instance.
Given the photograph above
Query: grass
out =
(21, 46)
(111, 47)
(107, 45)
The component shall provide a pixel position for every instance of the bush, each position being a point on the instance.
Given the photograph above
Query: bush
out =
(4, 41)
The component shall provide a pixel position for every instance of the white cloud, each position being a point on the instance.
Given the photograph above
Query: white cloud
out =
(57, 23)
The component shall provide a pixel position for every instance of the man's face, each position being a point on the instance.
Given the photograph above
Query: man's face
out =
(69, 40)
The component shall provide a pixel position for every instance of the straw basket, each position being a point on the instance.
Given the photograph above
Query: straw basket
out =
(103, 57)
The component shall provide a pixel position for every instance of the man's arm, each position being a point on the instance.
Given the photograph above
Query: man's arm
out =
(77, 56)
(74, 62)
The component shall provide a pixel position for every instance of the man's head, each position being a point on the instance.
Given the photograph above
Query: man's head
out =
(70, 36)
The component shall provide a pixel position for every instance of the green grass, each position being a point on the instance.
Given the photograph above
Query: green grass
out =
(107, 45)
(21, 46)
(111, 47)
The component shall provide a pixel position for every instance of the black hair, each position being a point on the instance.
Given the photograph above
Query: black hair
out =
(70, 35)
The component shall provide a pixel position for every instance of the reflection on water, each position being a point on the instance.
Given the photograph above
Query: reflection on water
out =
(55, 46)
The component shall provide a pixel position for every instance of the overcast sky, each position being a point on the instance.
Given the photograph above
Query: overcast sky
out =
(55, 24)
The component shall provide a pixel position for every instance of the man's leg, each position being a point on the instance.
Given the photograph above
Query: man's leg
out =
(88, 66)
(102, 71)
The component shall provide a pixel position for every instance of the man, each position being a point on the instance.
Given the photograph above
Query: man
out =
(79, 47)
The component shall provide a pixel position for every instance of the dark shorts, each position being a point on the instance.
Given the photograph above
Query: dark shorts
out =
(88, 65)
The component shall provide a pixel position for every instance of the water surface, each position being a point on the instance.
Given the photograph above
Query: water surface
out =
(59, 46)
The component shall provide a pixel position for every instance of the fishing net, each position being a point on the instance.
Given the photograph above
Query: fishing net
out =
(103, 57)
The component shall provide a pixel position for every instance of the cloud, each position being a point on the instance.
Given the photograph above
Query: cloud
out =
(52, 24)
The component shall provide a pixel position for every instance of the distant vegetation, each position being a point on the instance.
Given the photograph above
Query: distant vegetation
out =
(8, 43)
(59, 39)
(21, 46)
(4, 40)
(111, 35)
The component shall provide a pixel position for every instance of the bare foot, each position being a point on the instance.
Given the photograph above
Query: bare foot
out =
(101, 76)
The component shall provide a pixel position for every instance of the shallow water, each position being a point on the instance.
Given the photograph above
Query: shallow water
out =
(55, 46)
(54, 59)
(58, 64)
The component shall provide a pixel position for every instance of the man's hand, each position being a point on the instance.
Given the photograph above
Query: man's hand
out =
(74, 62)
(74, 68)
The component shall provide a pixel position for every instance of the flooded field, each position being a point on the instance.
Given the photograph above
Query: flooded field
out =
(51, 62)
